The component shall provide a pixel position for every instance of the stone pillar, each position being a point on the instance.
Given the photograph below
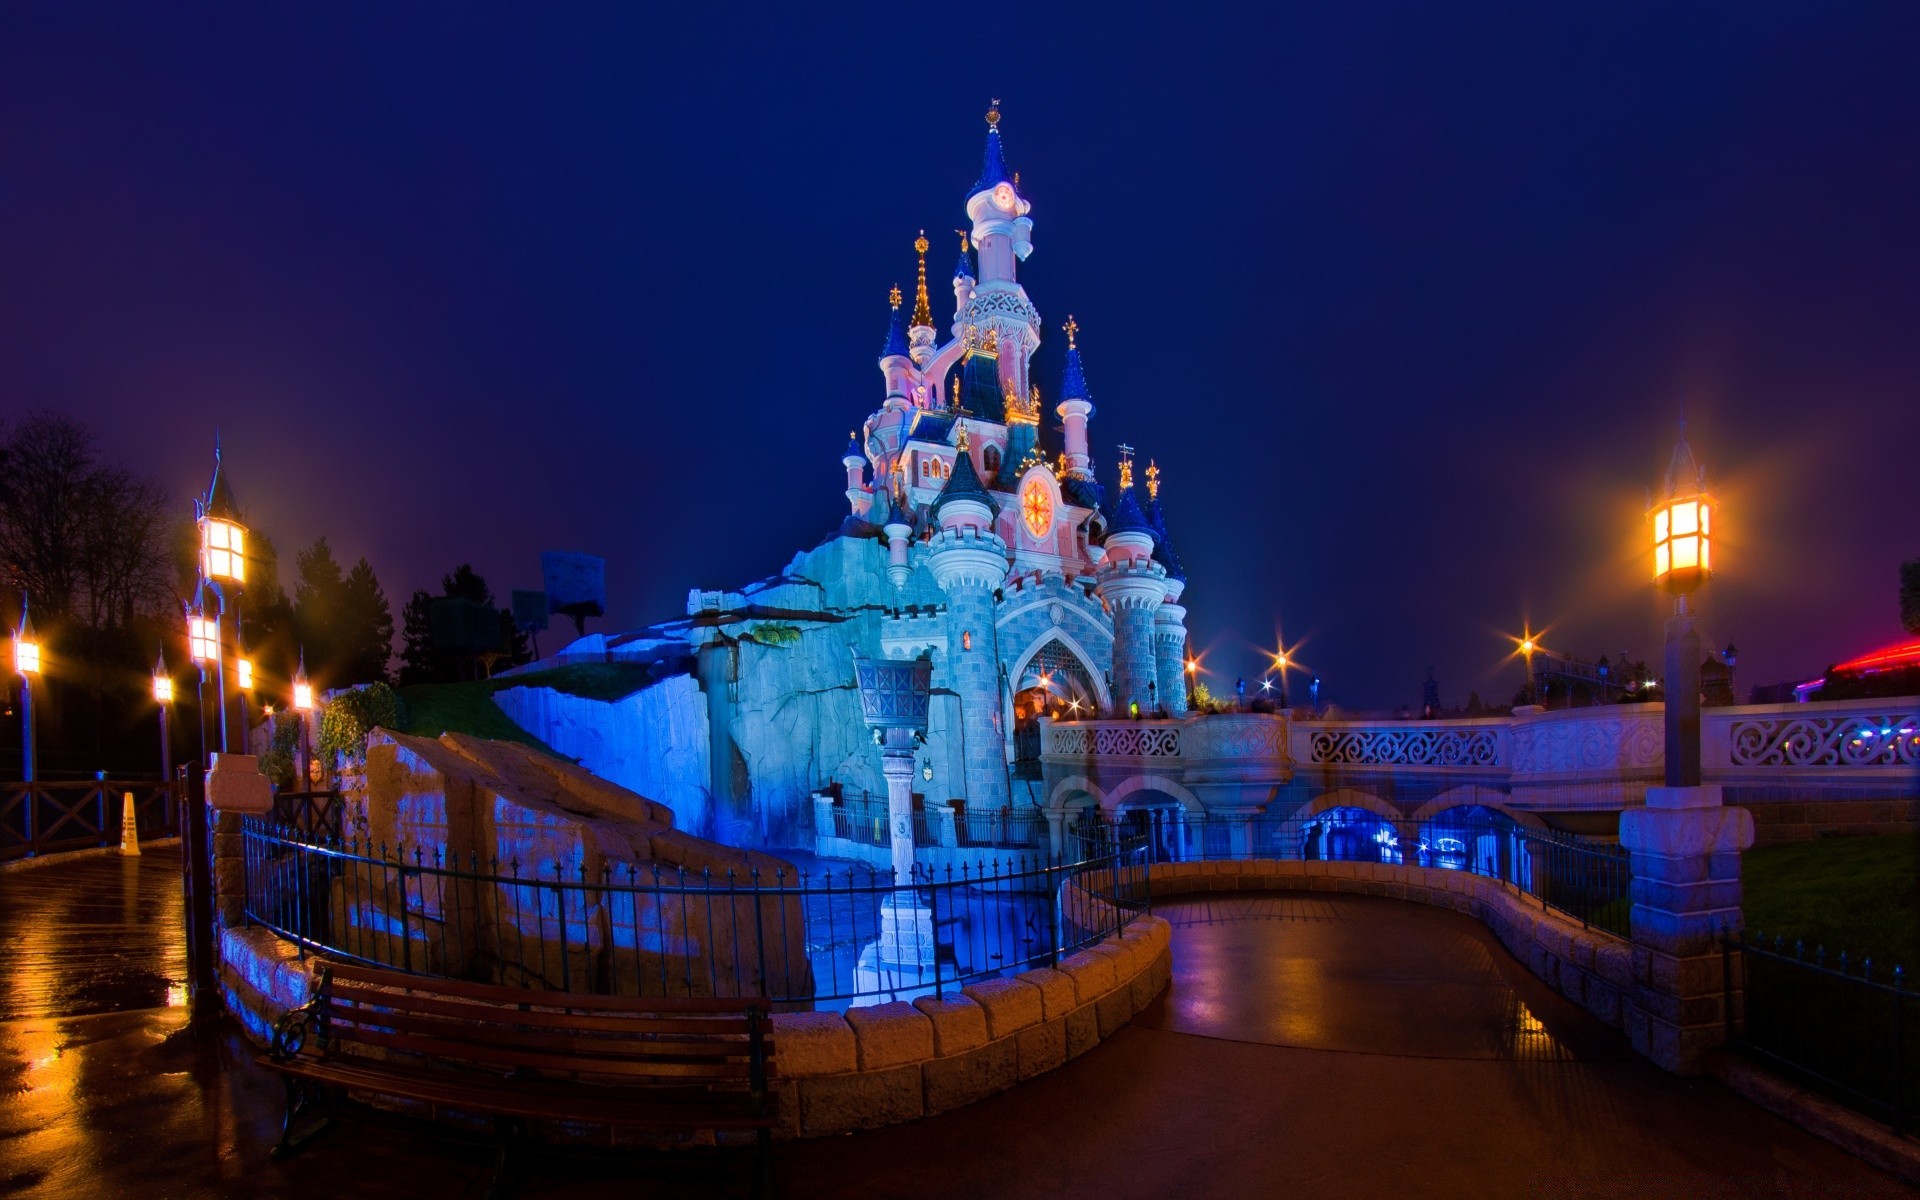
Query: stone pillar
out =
(941, 825)
(1170, 650)
(969, 564)
(823, 815)
(1057, 831)
(729, 815)
(1685, 847)
(1181, 848)
(1681, 712)
(896, 763)
(1133, 589)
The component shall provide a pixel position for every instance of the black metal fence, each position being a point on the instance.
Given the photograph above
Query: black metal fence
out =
(1585, 879)
(1849, 1028)
(825, 938)
(43, 818)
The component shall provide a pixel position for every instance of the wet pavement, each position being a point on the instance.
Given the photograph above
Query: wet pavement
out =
(1310, 1046)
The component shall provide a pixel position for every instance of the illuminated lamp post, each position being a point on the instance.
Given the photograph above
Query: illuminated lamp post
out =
(1527, 647)
(1281, 662)
(303, 705)
(163, 700)
(223, 566)
(1682, 561)
(26, 664)
(203, 647)
(1193, 674)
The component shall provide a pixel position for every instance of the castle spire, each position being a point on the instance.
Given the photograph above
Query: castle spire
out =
(964, 268)
(993, 168)
(922, 311)
(896, 338)
(1073, 384)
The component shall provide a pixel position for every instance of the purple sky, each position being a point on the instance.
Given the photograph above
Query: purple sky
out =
(1404, 301)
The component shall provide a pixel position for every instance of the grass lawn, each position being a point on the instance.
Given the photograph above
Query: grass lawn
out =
(437, 708)
(1857, 894)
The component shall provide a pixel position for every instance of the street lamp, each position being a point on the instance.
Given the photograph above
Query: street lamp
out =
(223, 566)
(1527, 647)
(163, 700)
(1682, 561)
(26, 663)
(303, 705)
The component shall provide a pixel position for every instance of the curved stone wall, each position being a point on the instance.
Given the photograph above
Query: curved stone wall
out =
(872, 1066)
(1592, 968)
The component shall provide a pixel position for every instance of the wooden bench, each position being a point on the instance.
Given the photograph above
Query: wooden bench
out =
(520, 1055)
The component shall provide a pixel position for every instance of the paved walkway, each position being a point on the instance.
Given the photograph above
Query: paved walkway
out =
(1310, 1046)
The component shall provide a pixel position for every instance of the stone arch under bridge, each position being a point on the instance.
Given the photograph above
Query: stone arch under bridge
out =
(1133, 785)
(1475, 794)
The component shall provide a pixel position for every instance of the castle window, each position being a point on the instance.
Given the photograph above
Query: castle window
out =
(992, 460)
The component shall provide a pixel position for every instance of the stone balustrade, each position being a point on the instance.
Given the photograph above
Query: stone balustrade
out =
(1837, 766)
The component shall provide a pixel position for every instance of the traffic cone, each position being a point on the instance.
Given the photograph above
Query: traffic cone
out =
(129, 830)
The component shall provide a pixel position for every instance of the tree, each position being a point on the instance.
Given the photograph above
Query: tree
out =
(86, 543)
(416, 639)
(343, 620)
(366, 640)
(424, 660)
(1910, 595)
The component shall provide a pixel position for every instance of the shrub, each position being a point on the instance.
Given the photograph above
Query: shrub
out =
(355, 713)
(775, 635)
(278, 764)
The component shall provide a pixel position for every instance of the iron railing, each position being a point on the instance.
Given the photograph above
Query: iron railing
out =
(43, 818)
(1851, 1029)
(1587, 880)
(827, 938)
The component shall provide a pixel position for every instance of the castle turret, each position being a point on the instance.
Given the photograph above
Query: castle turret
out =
(963, 281)
(1133, 587)
(895, 361)
(1075, 407)
(855, 461)
(1170, 619)
(969, 561)
(897, 524)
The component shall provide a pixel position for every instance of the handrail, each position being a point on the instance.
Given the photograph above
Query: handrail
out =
(44, 818)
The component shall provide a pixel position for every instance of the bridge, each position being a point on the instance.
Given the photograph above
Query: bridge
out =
(1803, 769)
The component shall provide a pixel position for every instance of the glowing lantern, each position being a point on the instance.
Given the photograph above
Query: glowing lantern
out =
(246, 673)
(223, 550)
(1683, 526)
(26, 647)
(203, 639)
(302, 689)
(162, 688)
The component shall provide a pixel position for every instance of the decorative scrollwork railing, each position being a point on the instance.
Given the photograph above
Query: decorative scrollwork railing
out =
(1405, 747)
(1128, 740)
(1887, 739)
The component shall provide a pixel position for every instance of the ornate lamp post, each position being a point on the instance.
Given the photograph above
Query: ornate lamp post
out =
(223, 567)
(1682, 561)
(1527, 647)
(894, 699)
(26, 664)
(203, 647)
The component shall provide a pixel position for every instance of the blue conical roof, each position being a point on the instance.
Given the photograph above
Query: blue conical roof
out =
(1127, 516)
(964, 268)
(1073, 384)
(1162, 547)
(853, 446)
(963, 484)
(993, 170)
(896, 337)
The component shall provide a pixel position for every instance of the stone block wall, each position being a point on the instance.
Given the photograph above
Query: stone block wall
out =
(870, 1067)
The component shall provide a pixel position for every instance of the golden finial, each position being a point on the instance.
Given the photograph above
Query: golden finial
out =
(893, 297)
(922, 311)
(993, 115)
(1126, 466)
(1072, 327)
(1153, 480)
(960, 437)
(963, 240)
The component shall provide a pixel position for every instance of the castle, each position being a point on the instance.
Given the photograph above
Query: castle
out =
(971, 536)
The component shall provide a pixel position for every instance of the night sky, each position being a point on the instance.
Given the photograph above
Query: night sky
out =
(1404, 300)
